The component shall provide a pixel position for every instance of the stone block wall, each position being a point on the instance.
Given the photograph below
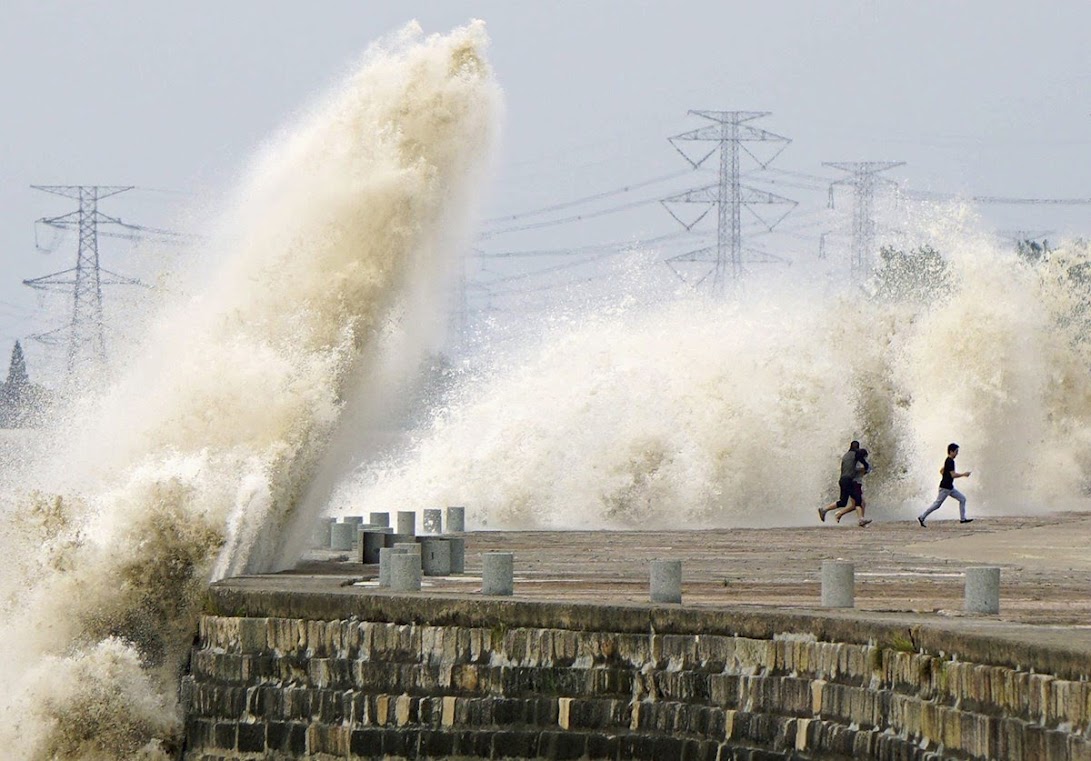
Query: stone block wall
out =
(278, 687)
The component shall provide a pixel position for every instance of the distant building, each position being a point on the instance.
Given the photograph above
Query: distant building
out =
(22, 403)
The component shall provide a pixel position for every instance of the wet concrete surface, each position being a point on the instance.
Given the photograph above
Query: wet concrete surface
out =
(1045, 566)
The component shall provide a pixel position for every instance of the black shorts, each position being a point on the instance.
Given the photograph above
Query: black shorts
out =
(846, 485)
(858, 493)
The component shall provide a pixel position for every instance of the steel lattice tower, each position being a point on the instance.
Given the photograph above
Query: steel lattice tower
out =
(85, 331)
(863, 181)
(729, 131)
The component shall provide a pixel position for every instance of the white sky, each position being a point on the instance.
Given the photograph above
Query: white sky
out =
(979, 98)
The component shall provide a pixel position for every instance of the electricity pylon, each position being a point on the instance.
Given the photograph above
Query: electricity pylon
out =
(863, 180)
(85, 332)
(729, 131)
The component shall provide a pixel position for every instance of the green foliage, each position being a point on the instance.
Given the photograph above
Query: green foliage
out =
(1031, 250)
(903, 643)
(875, 658)
(908, 275)
(22, 404)
(1066, 277)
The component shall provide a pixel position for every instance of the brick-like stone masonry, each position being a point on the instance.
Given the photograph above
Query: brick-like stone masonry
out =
(285, 688)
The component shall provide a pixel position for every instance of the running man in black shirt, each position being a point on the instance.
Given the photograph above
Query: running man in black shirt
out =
(947, 488)
(853, 466)
(857, 503)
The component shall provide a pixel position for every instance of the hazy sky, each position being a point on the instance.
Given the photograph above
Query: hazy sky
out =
(978, 98)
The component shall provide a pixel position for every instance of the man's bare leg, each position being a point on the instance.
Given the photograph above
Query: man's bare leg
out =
(845, 510)
(860, 511)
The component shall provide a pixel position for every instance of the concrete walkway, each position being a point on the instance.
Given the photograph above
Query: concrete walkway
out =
(900, 567)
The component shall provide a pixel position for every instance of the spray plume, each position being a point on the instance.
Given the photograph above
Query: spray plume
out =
(197, 463)
(695, 413)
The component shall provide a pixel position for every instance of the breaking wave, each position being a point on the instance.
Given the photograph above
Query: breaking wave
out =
(696, 413)
(197, 464)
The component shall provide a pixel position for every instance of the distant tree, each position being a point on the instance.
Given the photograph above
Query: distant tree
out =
(22, 403)
(908, 275)
(1065, 273)
(1032, 250)
(17, 370)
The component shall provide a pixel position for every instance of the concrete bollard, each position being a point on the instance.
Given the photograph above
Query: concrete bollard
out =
(369, 542)
(456, 520)
(407, 522)
(432, 522)
(354, 520)
(410, 548)
(384, 563)
(666, 581)
(435, 555)
(321, 536)
(458, 553)
(379, 519)
(405, 572)
(497, 573)
(982, 590)
(391, 539)
(341, 536)
(838, 584)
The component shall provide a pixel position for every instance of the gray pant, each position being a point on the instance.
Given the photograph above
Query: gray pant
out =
(944, 494)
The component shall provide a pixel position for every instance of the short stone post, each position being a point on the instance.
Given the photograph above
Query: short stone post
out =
(341, 536)
(432, 522)
(358, 522)
(405, 572)
(384, 563)
(838, 584)
(392, 539)
(407, 522)
(497, 573)
(369, 542)
(435, 555)
(982, 590)
(379, 519)
(321, 536)
(456, 520)
(666, 581)
(458, 553)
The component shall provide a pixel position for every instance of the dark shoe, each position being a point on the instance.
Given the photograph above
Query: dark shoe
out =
(920, 520)
(822, 514)
(966, 520)
(864, 523)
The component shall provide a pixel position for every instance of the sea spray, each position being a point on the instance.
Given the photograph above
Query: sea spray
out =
(636, 419)
(199, 458)
(710, 414)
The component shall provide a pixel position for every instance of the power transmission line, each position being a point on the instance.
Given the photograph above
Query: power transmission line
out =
(618, 245)
(802, 175)
(586, 199)
(863, 180)
(85, 331)
(567, 220)
(729, 132)
(1032, 201)
(998, 200)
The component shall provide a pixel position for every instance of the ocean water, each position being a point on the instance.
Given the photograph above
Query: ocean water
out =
(262, 396)
(332, 255)
(695, 413)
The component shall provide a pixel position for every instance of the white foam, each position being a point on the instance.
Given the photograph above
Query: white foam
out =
(695, 413)
(196, 463)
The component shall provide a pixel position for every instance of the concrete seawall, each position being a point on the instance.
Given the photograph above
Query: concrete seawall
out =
(283, 673)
